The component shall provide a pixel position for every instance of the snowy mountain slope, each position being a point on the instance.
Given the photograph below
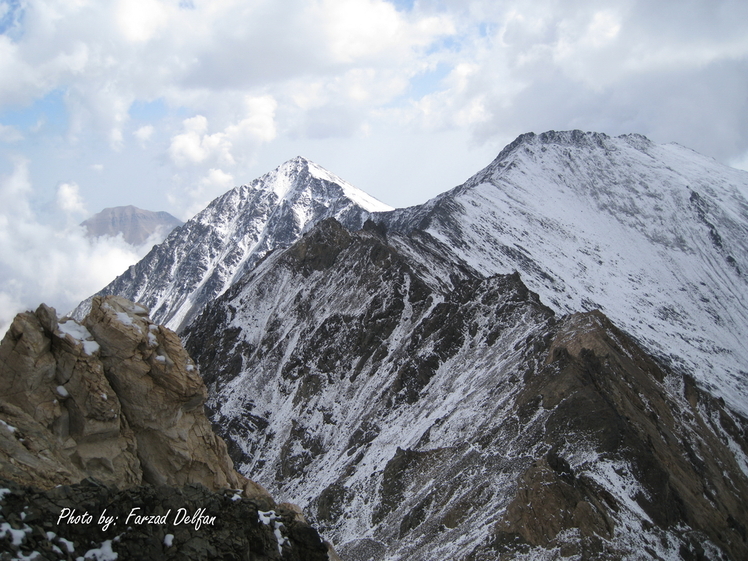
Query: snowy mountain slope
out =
(428, 413)
(200, 260)
(656, 236)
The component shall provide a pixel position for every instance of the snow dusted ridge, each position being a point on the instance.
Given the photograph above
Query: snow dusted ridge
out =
(205, 256)
(656, 236)
(419, 411)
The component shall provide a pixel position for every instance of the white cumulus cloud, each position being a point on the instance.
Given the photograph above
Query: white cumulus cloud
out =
(39, 262)
(69, 199)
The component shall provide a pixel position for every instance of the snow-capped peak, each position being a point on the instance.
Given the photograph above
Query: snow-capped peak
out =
(212, 250)
(288, 180)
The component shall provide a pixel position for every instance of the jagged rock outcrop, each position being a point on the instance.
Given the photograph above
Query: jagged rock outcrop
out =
(52, 371)
(116, 398)
(426, 412)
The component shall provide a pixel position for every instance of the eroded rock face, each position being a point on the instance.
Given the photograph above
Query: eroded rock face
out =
(613, 420)
(161, 395)
(52, 372)
(116, 398)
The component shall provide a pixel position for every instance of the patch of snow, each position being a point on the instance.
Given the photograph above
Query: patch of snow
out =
(80, 334)
(74, 329)
(168, 540)
(67, 543)
(270, 518)
(17, 536)
(266, 517)
(124, 318)
(62, 392)
(11, 429)
(361, 198)
(103, 553)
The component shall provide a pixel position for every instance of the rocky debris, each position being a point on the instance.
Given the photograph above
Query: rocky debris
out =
(116, 398)
(424, 414)
(606, 396)
(92, 521)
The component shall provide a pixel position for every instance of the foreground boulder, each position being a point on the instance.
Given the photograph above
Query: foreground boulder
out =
(121, 397)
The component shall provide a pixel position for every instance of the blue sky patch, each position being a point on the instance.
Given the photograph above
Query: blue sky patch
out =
(403, 5)
(50, 110)
(428, 82)
(148, 111)
(11, 13)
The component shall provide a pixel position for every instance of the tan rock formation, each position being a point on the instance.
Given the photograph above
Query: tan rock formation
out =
(117, 398)
(30, 454)
(51, 371)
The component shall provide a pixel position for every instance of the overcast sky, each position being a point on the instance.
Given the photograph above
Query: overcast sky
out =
(166, 104)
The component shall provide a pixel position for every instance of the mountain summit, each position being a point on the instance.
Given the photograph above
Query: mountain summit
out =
(200, 260)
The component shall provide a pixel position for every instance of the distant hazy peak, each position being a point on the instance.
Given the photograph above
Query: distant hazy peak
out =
(135, 224)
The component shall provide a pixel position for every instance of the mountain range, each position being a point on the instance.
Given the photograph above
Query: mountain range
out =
(546, 361)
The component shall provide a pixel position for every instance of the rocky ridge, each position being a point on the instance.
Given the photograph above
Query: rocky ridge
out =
(421, 413)
(115, 399)
(378, 377)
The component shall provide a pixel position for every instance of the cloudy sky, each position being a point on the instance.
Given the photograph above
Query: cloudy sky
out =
(166, 104)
